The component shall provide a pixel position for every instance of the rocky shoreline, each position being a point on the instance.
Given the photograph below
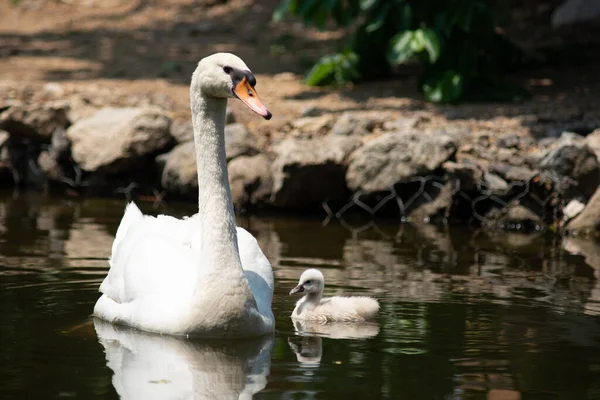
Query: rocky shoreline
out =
(364, 161)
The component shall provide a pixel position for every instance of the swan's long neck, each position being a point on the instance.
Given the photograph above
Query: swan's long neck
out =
(219, 248)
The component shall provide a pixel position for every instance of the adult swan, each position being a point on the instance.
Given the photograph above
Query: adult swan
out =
(197, 276)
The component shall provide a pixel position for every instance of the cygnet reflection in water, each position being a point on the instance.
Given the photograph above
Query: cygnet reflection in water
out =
(148, 366)
(309, 349)
(314, 307)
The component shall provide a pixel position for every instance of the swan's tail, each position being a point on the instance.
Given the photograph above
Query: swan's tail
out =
(131, 216)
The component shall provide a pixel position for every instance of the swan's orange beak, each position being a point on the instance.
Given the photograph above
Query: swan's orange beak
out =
(246, 93)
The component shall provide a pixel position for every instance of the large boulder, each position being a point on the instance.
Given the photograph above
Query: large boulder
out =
(239, 141)
(394, 157)
(588, 220)
(35, 122)
(575, 166)
(183, 130)
(116, 139)
(250, 180)
(351, 123)
(307, 172)
(180, 173)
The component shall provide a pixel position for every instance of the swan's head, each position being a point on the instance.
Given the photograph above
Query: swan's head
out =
(225, 75)
(311, 282)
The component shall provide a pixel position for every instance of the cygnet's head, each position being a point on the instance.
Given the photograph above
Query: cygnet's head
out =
(225, 75)
(311, 282)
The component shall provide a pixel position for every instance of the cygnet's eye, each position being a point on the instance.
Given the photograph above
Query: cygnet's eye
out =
(227, 69)
(308, 282)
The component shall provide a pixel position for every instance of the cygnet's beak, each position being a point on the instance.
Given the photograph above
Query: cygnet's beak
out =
(297, 289)
(246, 93)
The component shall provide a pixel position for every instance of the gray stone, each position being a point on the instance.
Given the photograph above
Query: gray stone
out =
(577, 164)
(313, 125)
(508, 141)
(307, 172)
(511, 173)
(573, 11)
(573, 209)
(36, 121)
(351, 123)
(468, 174)
(180, 173)
(117, 139)
(182, 131)
(494, 183)
(392, 158)
(250, 180)
(438, 208)
(239, 141)
(588, 220)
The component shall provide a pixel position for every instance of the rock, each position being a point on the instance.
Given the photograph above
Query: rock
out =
(572, 209)
(494, 183)
(229, 117)
(4, 136)
(508, 141)
(52, 161)
(468, 174)
(180, 173)
(182, 131)
(350, 123)
(394, 157)
(37, 121)
(239, 141)
(515, 216)
(588, 220)
(593, 142)
(438, 208)
(250, 180)
(313, 125)
(513, 174)
(117, 139)
(307, 172)
(577, 163)
(573, 11)
(310, 111)
(401, 124)
(50, 166)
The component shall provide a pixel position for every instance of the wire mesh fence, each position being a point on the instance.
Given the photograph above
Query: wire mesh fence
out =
(533, 204)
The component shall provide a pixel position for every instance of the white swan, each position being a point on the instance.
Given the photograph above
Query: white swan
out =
(195, 276)
(313, 307)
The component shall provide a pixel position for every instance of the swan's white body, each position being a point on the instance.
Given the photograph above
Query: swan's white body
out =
(314, 307)
(198, 276)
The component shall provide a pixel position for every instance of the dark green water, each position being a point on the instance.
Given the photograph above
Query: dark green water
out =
(465, 315)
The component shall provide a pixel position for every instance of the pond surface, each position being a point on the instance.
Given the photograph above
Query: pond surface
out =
(465, 314)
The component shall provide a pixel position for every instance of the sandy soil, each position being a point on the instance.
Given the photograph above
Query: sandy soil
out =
(124, 52)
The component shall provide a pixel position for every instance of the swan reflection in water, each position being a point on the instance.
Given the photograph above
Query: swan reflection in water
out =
(148, 366)
(309, 349)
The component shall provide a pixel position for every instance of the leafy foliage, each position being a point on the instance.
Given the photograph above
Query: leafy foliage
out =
(455, 40)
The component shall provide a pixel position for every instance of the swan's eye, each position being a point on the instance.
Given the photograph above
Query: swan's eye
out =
(227, 69)
(308, 282)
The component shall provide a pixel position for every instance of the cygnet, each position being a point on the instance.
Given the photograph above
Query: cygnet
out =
(314, 307)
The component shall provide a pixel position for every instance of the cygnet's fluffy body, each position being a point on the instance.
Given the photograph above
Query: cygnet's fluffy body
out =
(314, 307)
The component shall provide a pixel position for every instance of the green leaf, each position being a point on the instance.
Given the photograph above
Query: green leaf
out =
(400, 48)
(444, 88)
(379, 19)
(367, 4)
(281, 10)
(427, 40)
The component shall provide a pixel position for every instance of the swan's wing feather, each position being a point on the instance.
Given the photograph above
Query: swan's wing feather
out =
(257, 269)
(150, 255)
